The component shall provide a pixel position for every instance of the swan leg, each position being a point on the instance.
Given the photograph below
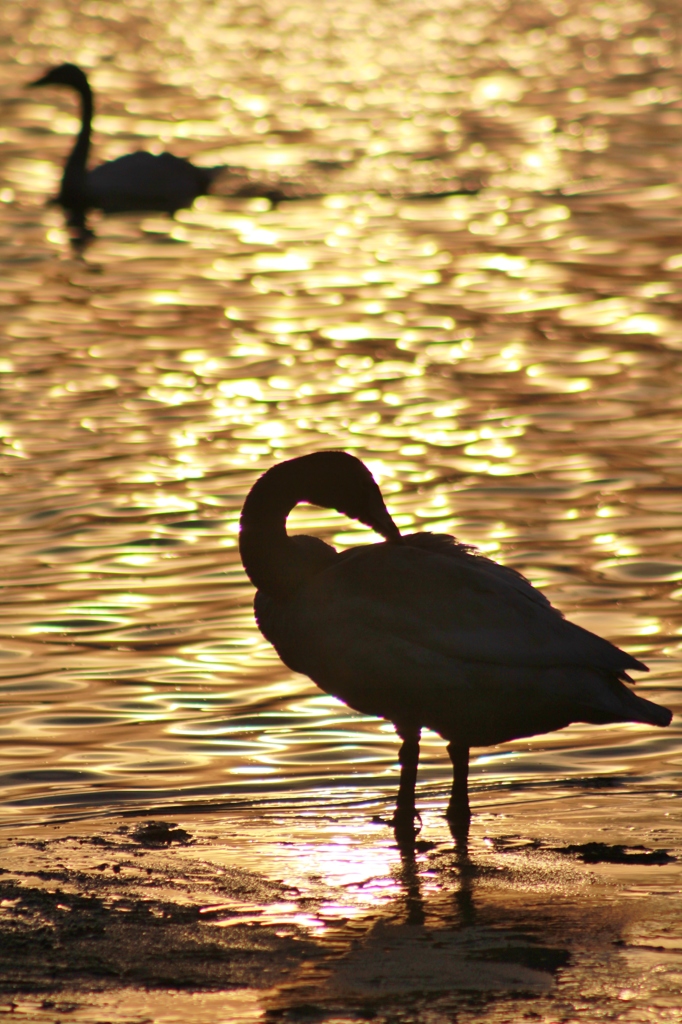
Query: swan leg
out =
(458, 810)
(405, 811)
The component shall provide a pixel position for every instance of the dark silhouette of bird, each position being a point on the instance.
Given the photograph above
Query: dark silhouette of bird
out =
(138, 181)
(421, 630)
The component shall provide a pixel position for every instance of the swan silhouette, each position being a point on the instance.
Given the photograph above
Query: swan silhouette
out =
(421, 630)
(138, 181)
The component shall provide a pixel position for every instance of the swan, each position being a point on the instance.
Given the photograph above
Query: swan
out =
(420, 629)
(138, 181)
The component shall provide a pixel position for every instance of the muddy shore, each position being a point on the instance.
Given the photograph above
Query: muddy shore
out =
(144, 919)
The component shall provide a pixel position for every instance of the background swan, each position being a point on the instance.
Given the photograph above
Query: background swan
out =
(421, 630)
(138, 181)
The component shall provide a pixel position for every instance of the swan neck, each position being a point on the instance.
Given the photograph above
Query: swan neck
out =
(74, 173)
(271, 561)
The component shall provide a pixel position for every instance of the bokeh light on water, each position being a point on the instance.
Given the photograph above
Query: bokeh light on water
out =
(506, 359)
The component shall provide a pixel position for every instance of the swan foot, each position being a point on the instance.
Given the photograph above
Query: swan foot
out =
(459, 819)
(406, 823)
(459, 812)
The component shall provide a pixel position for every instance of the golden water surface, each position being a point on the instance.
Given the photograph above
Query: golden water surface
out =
(476, 288)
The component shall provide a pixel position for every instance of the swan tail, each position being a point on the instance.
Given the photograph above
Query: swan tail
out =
(619, 703)
(602, 697)
(639, 709)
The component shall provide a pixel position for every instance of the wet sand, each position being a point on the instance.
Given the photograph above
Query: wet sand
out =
(149, 919)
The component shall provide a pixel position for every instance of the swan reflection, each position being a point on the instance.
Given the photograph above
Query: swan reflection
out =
(446, 936)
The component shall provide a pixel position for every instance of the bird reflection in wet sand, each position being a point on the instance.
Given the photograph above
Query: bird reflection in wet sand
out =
(137, 182)
(447, 937)
(410, 880)
(420, 629)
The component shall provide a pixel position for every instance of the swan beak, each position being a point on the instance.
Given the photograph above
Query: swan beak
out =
(45, 79)
(380, 520)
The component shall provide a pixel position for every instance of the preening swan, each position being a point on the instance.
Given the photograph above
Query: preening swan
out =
(138, 181)
(421, 630)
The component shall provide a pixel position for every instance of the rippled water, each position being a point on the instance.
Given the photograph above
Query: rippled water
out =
(506, 359)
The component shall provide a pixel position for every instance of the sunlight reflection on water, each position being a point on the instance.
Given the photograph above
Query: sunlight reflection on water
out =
(476, 288)
(506, 362)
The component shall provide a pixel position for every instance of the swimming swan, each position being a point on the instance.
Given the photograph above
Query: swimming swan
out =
(138, 181)
(421, 630)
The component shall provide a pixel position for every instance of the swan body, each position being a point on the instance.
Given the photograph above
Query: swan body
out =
(138, 181)
(144, 181)
(420, 629)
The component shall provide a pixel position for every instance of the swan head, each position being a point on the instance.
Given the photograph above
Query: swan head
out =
(65, 74)
(337, 480)
(277, 564)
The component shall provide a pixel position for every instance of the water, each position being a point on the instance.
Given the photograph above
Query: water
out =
(506, 360)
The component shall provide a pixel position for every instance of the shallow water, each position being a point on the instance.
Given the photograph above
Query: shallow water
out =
(507, 361)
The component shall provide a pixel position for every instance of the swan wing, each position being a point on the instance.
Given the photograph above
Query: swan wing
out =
(456, 606)
(145, 181)
(444, 544)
